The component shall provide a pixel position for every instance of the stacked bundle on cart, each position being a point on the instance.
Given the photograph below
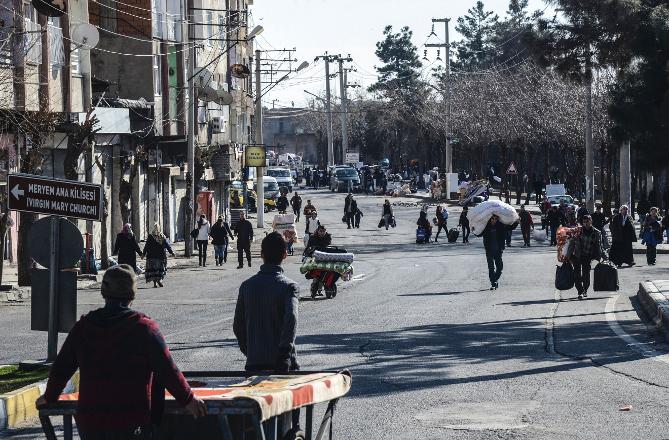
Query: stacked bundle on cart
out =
(284, 224)
(330, 261)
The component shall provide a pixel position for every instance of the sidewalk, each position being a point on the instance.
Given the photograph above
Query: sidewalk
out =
(21, 294)
(654, 299)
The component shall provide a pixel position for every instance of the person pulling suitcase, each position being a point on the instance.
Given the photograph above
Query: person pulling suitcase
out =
(587, 247)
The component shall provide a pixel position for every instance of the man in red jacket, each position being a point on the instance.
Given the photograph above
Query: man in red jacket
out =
(120, 354)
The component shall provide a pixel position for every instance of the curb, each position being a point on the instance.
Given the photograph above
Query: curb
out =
(656, 306)
(18, 406)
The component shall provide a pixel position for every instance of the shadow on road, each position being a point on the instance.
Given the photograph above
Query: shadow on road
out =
(431, 356)
(443, 293)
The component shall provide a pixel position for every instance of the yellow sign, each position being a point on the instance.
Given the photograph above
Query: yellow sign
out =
(254, 157)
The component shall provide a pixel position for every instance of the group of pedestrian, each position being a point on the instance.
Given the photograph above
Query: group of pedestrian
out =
(352, 214)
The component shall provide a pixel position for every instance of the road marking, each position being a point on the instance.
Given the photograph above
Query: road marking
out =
(636, 345)
(550, 323)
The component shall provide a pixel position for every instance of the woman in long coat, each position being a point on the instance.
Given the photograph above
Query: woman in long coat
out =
(126, 247)
(622, 237)
(156, 256)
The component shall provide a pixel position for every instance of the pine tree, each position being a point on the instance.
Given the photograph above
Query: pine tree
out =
(400, 61)
(474, 51)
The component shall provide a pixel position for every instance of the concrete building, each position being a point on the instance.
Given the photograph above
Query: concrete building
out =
(284, 132)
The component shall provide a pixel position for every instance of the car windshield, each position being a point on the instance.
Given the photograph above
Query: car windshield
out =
(237, 185)
(555, 200)
(270, 186)
(347, 172)
(279, 173)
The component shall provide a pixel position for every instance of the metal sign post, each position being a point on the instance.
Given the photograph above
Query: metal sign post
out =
(52, 344)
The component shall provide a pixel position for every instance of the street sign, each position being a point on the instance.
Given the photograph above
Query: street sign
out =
(512, 169)
(352, 157)
(254, 156)
(39, 243)
(44, 195)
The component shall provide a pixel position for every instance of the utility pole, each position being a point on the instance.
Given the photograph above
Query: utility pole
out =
(589, 150)
(260, 203)
(344, 108)
(191, 108)
(625, 175)
(328, 105)
(448, 155)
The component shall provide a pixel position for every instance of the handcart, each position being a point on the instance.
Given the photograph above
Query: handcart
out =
(252, 409)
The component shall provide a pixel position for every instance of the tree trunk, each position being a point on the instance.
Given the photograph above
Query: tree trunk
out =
(23, 254)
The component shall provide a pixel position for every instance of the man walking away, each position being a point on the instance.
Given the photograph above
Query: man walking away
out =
(387, 214)
(296, 204)
(599, 220)
(118, 351)
(202, 240)
(464, 223)
(587, 247)
(266, 316)
(526, 225)
(350, 208)
(244, 233)
(555, 219)
(494, 237)
(442, 222)
(219, 238)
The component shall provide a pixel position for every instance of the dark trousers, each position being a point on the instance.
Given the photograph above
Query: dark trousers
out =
(554, 235)
(465, 233)
(202, 251)
(526, 235)
(495, 265)
(296, 211)
(651, 254)
(240, 254)
(582, 275)
(350, 219)
(439, 228)
(508, 238)
(357, 220)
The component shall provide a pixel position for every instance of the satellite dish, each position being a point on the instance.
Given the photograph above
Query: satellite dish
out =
(50, 8)
(225, 98)
(240, 71)
(85, 36)
(207, 94)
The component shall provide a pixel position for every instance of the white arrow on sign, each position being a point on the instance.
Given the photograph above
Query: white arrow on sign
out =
(16, 192)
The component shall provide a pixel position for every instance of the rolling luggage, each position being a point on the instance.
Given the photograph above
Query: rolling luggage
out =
(421, 235)
(453, 235)
(605, 278)
(564, 277)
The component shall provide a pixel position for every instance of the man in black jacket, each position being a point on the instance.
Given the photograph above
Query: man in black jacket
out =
(555, 219)
(219, 238)
(350, 208)
(266, 316)
(587, 247)
(244, 233)
(296, 203)
(494, 238)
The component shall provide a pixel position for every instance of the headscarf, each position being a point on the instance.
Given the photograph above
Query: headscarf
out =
(157, 233)
(127, 229)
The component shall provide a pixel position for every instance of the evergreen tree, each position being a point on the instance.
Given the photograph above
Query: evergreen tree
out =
(474, 51)
(511, 34)
(400, 61)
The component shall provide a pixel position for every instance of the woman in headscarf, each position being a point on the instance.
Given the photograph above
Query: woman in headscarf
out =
(156, 258)
(126, 247)
(622, 237)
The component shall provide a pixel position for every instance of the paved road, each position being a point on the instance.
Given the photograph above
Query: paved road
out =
(434, 354)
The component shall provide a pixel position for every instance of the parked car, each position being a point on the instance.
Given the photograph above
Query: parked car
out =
(283, 177)
(344, 179)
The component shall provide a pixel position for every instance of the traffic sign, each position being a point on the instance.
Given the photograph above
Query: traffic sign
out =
(352, 157)
(512, 169)
(44, 195)
(40, 242)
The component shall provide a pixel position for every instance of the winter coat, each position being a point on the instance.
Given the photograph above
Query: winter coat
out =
(556, 218)
(387, 210)
(244, 233)
(296, 202)
(156, 248)
(526, 221)
(499, 236)
(127, 249)
(282, 203)
(319, 243)
(441, 218)
(464, 220)
(593, 248)
(622, 229)
(219, 233)
(203, 230)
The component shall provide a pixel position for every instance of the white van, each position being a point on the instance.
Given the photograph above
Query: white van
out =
(283, 177)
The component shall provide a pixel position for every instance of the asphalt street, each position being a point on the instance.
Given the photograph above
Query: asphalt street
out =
(434, 354)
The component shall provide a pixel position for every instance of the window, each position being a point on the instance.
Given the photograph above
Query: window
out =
(157, 76)
(158, 18)
(209, 32)
(75, 62)
(32, 39)
(221, 34)
(56, 50)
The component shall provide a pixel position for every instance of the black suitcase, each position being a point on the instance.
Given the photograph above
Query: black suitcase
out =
(564, 277)
(605, 277)
(453, 235)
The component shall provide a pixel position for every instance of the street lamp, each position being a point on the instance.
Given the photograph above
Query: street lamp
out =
(255, 32)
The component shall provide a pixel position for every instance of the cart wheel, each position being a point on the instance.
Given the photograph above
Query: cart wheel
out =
(328, 295)
(292, 435)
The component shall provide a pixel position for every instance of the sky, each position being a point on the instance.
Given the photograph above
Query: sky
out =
(349, 27)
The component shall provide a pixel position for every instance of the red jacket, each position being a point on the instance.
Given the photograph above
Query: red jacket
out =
(117, 351)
